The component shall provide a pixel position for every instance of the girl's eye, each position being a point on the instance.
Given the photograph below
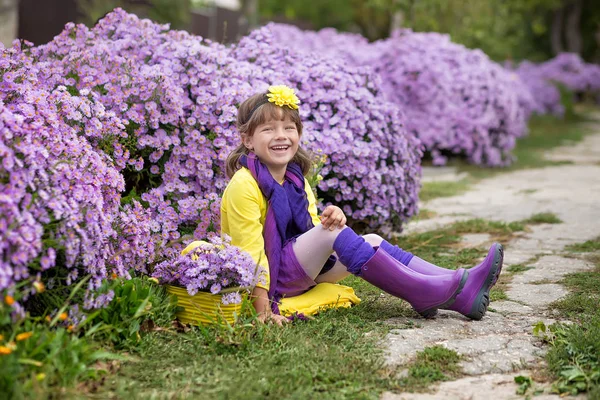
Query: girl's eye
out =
(290, 127)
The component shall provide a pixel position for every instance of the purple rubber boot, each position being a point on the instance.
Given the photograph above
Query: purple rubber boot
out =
(426, 293)
(475, 296)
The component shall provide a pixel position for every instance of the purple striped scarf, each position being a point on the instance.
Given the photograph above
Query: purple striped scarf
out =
(287, 214)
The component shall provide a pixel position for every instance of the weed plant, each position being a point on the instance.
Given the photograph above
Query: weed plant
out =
(574, 355)
(431, 365)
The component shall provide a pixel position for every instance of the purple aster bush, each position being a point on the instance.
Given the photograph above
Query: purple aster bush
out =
(372, 168)
(456, 100)
(215, 267)
(570, 70)
(546, 96)
(181, 130)
(566, 69)
(58, 196)
(178, 96)
(349, 46)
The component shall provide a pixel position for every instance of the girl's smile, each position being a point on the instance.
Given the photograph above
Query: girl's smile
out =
(275, 143)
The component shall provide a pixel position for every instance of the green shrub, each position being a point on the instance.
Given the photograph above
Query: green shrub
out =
(35, 357)
(138, 305)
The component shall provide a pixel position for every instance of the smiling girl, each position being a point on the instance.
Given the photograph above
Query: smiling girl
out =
(269, 210)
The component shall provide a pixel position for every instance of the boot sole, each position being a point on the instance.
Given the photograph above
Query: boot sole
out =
(432, 312)
(483, 297)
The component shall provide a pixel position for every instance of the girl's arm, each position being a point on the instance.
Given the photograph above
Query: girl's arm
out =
(242, 208)
(262, 306)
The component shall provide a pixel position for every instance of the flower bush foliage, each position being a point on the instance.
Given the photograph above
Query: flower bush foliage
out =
(456, 100)
(113, 141)
(566, 69)
(57, 195)
(178, 139)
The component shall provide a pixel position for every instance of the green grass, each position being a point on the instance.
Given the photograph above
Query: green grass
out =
(528, 191)
(590, 245)
(546, 133)
(432, 190)
(574, 354)
(336, 355)
(582, 303)
(517, 268)
(431, 365)
(543, 218)
(497, 294)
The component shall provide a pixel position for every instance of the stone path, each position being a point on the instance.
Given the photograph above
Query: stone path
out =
(501, 345)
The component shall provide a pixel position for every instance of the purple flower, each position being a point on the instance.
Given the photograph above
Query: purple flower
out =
(210, 267)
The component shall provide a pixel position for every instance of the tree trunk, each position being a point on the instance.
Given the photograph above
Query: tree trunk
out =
(250, 10)
(573, 29)
(9, 19)
(397, 21)
(557, 29)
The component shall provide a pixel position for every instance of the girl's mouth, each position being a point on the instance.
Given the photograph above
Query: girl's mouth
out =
(281, 148)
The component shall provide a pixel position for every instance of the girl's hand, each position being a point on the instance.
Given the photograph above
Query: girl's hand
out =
(269, 317)
(262, 306)
(333, 217)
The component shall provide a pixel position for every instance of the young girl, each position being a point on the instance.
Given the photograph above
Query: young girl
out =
(269, 210)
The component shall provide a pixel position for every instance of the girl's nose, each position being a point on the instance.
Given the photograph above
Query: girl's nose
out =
(280, 133)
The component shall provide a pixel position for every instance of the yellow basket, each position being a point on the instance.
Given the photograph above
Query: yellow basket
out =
(203, 308)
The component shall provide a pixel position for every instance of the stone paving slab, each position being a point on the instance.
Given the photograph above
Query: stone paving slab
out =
(511, 307)
(495, 344)
(551, 269)
(537, 296)
(474, 240)
(486, 387)
(568, 191)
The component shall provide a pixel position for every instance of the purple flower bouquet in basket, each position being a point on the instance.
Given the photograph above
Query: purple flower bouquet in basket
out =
(209, 280)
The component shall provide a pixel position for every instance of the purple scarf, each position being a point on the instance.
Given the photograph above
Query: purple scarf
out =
(287, 214)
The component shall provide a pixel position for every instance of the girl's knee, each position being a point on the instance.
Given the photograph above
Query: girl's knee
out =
(373, 239)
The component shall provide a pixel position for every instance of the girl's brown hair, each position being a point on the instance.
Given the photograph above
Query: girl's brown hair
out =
(248, 118)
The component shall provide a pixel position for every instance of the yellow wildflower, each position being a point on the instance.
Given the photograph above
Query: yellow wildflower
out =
(9, 300)
(5, 350)
(153, 280)
(283, 95)
(63, 316)
(70, 328)
(24, 336)
(39, 286)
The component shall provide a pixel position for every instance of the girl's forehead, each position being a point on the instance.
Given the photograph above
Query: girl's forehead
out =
(282, 118)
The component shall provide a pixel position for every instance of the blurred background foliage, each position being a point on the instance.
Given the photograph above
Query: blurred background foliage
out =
(504, 29)
(175, 12)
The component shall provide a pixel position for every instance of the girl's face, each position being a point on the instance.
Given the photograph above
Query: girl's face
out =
(275, 143)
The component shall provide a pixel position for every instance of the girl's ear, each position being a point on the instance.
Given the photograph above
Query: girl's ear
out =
(247, 141)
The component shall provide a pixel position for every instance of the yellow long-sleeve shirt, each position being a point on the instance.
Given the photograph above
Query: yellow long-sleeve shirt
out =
(243, 213)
